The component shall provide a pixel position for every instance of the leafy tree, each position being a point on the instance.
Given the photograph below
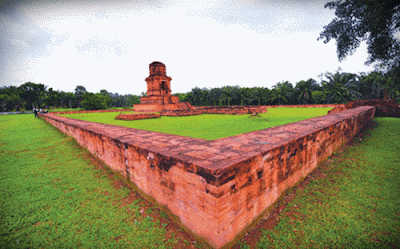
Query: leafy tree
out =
(95, 101)
(183, 97)
(104, 92)
(341, 87)
(244, 95)
(319, 97)
(230, 95)
(116, 99)
(282, 93)
(278, 95)
(52, 98)
(373, 21)
(372, 85)
(67, 99)
(258, 95)
(198, 96)
(79, 92)
(304, 90)
(393, 83)
(10, 99)
(32, 94)
(226, 96)
(214, 95)
(132, 99)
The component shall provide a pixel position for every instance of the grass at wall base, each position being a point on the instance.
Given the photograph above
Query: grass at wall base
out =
(54, 194)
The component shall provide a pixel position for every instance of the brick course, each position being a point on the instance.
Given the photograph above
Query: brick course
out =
(137, 116)
(228, 110)
(307, 106)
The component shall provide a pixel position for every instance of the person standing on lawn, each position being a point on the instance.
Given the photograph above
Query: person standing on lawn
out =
(35, 112)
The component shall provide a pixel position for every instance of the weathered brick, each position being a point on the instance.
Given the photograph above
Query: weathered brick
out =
(217, 199)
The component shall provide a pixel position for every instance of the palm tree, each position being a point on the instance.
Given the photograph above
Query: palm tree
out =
(230, 94)
(282, 92)
(198, 96)
(214, 95)
(341, 87)
(277, 95)
(304, 90)
(259, 94)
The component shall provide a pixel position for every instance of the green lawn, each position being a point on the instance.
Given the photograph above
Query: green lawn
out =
(209, 126)
(53, 194)
(353, 201)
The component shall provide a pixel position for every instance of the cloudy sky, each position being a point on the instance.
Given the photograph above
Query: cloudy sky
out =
(104, 44)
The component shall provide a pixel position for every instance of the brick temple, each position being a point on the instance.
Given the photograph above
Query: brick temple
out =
(159, 96)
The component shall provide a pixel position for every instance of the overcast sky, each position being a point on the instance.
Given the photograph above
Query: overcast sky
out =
(104, 44)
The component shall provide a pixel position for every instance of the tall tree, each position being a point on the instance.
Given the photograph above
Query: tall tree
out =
(104, 92)
(132, 99)
(32, 94)
(95, 101)
(198, 96)
(52, 98)
(281, 93)
(230, 95)
(393, 84)
(373, 21)
(372, 85)
(304, 90)
(79, 92)
(10, 99)
(341, 87)
(258, 95)
(214, 95)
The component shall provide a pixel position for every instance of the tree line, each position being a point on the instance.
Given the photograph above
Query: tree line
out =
(334, 88)
(31, 95)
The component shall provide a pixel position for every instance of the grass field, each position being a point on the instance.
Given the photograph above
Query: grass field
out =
(352, 201)
(209, 126)
(54, 194)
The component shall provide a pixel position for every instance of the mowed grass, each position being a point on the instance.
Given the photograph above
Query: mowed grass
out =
(208, 126)
(352, 201)
(54, 195)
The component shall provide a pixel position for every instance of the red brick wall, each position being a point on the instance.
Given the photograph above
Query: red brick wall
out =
(231, 110)
(137, 116)
(384, 108)
(307, 106)
(217, 188)
(338, 109)
(162, 107)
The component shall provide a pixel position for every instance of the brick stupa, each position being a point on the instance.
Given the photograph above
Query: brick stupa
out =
(159, 96)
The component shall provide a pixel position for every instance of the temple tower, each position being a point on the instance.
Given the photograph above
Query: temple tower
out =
(158, 83)
(159, 96)
(158, 86)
